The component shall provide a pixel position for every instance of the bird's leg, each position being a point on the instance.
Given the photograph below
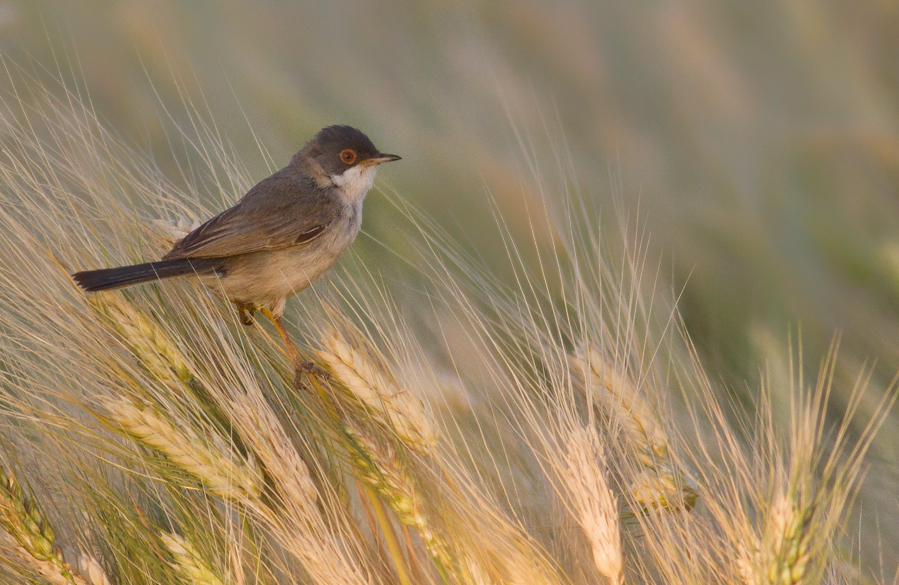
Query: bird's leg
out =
(288, 343)
(301, 367)
(245, 312)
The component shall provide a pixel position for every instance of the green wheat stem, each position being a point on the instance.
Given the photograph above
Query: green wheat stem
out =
(441, 569)
(393, 544)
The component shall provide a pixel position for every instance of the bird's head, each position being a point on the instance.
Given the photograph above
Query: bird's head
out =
(342, 157)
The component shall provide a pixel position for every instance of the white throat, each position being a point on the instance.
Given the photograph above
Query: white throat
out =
(355, 182)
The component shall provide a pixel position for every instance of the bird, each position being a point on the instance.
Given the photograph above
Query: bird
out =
(282, 235)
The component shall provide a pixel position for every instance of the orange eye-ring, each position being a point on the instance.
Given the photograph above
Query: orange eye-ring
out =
(348, 156)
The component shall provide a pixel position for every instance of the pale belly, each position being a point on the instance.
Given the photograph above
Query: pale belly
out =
(267, 279)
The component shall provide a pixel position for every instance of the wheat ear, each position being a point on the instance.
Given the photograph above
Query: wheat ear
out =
(662, 484)
(29, 536)
(188, 563)
(360, 369)
(223, 471)
(782, 555)
(92, 571)
(144, 337)
(594, 505)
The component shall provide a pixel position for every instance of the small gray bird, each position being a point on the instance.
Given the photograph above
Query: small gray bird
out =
(281, 237)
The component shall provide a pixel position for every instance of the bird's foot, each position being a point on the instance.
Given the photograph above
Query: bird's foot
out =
(313, 369)
(309, 369)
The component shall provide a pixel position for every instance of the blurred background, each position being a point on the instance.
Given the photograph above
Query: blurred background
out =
(756, 142)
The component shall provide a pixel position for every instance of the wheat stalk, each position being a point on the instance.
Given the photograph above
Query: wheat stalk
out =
(261, 429)
(491, 481)
(782, 555)
(381, 469)
(188, 563)
(615, 394)
(787, 540)
(91, 570)
(663, 488)
(173, 230)
(296, 522)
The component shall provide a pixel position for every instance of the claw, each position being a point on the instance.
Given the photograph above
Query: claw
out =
(313, 369)
(303, 369)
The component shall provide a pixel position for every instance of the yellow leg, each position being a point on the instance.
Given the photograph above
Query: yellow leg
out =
(294, 355)
(292, 352)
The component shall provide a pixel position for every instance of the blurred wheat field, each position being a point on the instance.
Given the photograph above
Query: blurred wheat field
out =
(514, 398)
(557, 430)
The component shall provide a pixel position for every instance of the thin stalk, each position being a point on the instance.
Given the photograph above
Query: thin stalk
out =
(414, 565)
(393, 544)
(369, 515)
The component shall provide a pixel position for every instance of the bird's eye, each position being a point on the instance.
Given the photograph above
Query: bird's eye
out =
(348, 156)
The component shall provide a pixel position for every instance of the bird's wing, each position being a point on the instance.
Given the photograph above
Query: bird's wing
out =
(279, 212)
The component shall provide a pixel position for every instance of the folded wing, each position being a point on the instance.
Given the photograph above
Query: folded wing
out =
(280, 212)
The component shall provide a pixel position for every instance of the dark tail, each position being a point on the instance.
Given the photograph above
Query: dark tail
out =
(110, 278)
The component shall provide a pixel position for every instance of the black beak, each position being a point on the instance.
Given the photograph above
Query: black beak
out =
(383, 158)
